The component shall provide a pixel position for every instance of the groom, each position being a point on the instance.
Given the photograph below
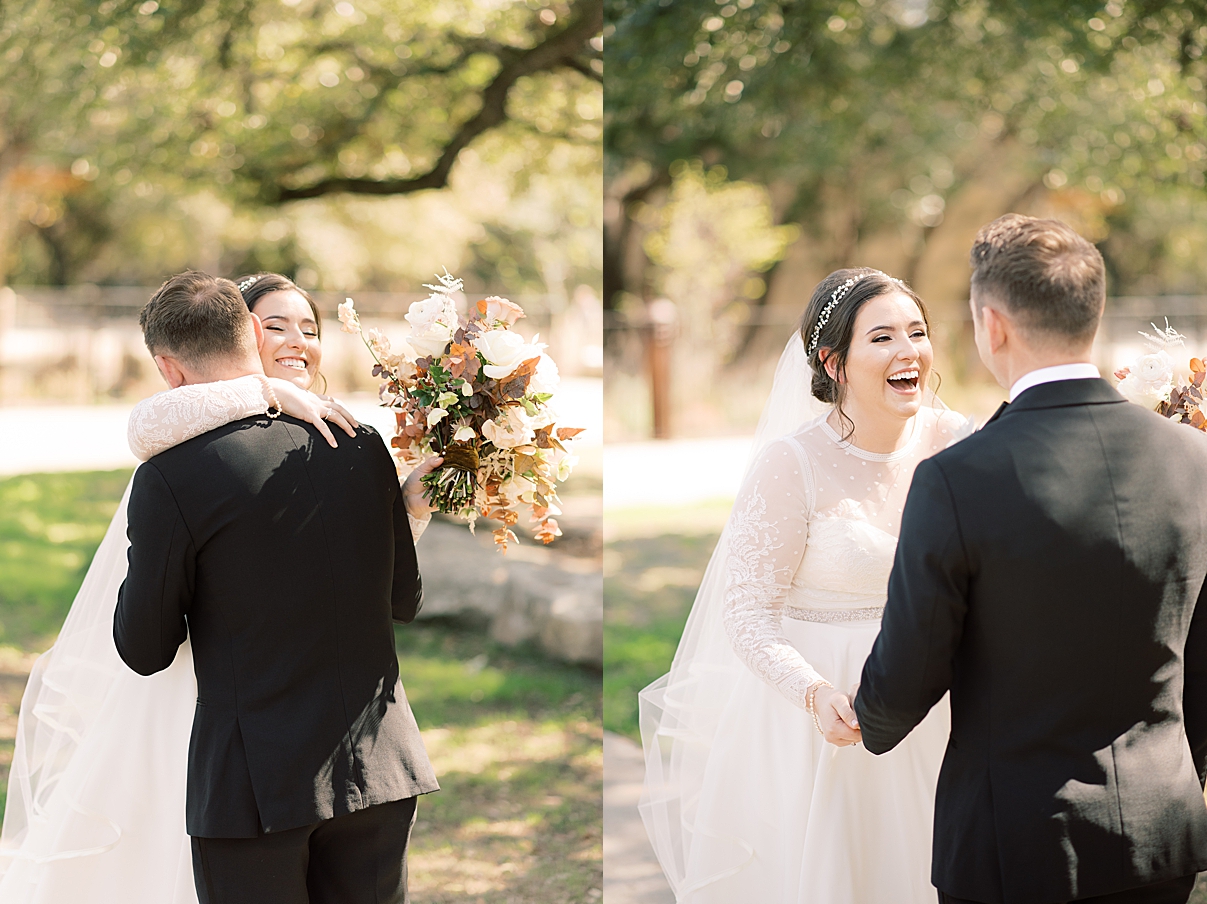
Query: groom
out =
(1047, 575)
(285, 562)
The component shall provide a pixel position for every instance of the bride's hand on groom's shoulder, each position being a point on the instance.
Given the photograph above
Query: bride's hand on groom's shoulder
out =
(313, 408)
(413, 488)
(839, 724)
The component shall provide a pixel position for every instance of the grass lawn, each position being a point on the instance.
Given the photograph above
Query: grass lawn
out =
(653, 563)
(514, 736)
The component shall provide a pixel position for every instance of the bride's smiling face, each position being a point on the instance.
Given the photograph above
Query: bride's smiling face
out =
(291, 348)
(890, 358)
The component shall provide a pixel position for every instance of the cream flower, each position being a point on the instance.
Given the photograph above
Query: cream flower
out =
(511, 428)
(349, 321)
(433, 322)
(435, 416)
(562, 462)
(1149, 381)
(504, 351)
(464, 434)
(379, 342)
(501, 310)
(518, 488)
(546, 377)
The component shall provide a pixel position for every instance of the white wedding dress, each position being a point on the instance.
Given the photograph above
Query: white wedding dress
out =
(744, 800)
(95, 809)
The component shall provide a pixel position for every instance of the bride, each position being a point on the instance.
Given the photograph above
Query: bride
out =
(95, 809)
(743, 801)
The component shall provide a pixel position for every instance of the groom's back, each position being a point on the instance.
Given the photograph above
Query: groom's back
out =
(1085, 531)
(300, 560)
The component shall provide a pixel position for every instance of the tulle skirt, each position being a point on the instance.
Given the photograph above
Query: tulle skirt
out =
(785, 818)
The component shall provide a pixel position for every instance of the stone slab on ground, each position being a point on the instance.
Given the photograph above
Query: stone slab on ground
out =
(631, 872)
(532, 593)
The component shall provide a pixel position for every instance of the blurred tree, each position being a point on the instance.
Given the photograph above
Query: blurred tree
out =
(250, 104)
(867, 118)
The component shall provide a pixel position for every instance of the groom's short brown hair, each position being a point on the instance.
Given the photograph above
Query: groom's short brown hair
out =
(195, 317)
(1044, 273)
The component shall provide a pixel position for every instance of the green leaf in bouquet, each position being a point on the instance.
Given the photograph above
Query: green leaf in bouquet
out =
(529, 407)
(542, 397)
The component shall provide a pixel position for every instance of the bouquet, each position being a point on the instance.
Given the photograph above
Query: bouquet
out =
(477, 393)
(1158, 381)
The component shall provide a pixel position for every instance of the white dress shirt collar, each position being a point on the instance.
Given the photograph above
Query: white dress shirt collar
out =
(1051, 375)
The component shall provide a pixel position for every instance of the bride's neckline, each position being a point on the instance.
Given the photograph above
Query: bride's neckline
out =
(851, 448)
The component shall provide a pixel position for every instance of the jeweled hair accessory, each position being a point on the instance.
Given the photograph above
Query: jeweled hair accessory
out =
(247, 283)
(838, 295)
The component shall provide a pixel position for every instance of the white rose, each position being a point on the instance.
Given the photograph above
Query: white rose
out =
(431, 309)
(504, 351)
(1149, 381)
(432, 339)
(509, 429)
(546, 377)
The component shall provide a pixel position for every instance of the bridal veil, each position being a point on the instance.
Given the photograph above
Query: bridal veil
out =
(95, 808)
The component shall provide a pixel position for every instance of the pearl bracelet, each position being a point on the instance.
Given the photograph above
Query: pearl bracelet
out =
(810, 701)
(274, 402)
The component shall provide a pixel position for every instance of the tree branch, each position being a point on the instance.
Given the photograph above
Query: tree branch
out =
(558, 50)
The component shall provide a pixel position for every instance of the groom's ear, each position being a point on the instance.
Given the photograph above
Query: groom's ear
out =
(996, 326)
(170, 368)
(258, 329)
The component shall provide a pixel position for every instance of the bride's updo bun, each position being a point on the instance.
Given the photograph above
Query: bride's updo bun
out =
(828, 324)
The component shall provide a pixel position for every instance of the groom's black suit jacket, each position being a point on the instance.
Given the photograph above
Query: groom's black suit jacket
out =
(1047, 574)
(288, 561)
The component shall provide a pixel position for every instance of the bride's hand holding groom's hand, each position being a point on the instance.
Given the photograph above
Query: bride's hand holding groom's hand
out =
(313, 408)
(839, 724)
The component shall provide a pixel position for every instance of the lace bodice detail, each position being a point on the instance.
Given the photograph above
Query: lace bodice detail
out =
(815, 528)
(173, 416)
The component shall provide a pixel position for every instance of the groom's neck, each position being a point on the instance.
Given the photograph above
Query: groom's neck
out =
(223, 370)
(1029, 358)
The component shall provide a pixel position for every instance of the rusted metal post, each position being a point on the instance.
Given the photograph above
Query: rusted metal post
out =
(663, 319)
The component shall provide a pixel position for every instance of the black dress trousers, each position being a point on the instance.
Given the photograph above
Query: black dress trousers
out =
(358, 858)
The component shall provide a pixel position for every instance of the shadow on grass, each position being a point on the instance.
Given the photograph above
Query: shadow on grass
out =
(514, 736)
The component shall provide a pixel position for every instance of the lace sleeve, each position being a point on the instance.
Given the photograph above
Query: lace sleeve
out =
(169, 418)
(767, 537)
(418, 526)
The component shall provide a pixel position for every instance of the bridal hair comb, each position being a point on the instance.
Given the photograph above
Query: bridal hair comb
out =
(247, 283)
(839, 294)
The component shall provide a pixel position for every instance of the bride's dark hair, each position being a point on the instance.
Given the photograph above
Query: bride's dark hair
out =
(255, 286)
(833, 340)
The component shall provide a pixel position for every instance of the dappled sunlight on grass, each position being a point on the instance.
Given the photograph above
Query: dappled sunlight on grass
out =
(518, 816)
(514, 736)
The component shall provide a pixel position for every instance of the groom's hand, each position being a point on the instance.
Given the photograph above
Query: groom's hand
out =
(839, 724)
